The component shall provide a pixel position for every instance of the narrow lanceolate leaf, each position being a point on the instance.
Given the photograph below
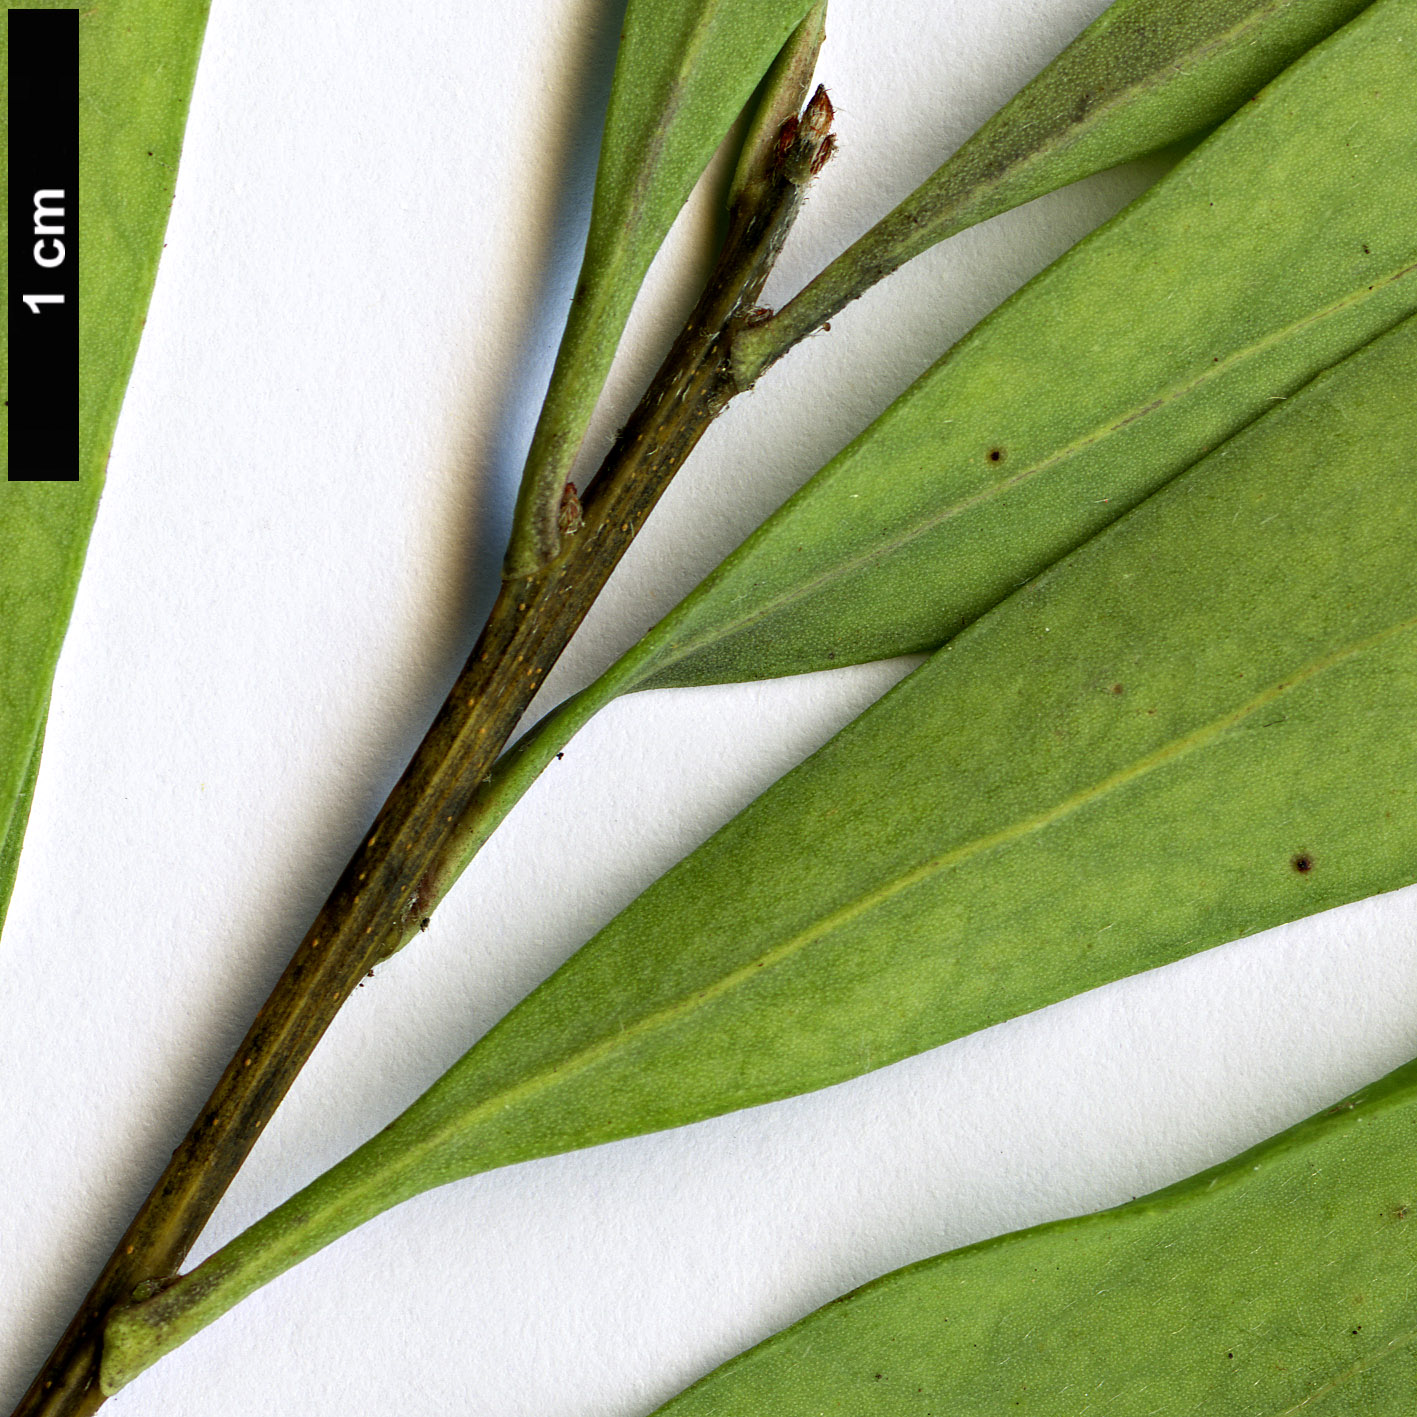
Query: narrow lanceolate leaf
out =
(1196, 726)
(137, 59)
(1285, 241)
(1144, 75)
(1280, 1282)
(684, 73)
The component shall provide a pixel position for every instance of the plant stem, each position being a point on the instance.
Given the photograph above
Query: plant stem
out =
(387, 890)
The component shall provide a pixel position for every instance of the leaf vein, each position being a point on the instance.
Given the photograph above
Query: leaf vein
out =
(1393, 1345)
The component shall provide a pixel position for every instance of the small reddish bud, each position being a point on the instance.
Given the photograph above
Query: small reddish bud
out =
(786, 136)
(568, 518)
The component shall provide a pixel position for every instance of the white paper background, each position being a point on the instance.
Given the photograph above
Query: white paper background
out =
(375, 235)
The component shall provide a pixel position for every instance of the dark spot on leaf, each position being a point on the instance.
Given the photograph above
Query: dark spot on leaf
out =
(996, 455)
(1229, 1355)
(425, 922)
(1366, 252)
(1118, 689)
(559, 756)
(1303, 862)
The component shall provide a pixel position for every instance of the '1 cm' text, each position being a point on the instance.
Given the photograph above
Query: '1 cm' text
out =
(49, 227)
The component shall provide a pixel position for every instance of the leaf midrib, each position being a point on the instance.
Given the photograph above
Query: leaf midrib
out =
(681, 650)
(548, 1076)
(678, 88)
(1392, 1346)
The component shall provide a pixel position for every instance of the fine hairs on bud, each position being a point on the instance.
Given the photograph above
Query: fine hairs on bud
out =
(816, 118)
(805, 143)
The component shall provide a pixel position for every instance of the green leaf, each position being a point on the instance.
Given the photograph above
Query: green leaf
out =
(1196, 726)
(684, 73)
(1144, 75)
(1277, 1283)
(1286, 240)
(137, 59)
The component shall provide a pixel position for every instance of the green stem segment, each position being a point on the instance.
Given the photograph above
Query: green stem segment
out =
(397, 876)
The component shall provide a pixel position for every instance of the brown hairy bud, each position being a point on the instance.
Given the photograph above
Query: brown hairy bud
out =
(817, 117)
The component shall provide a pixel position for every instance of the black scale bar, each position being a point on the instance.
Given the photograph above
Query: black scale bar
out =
(43, 401)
